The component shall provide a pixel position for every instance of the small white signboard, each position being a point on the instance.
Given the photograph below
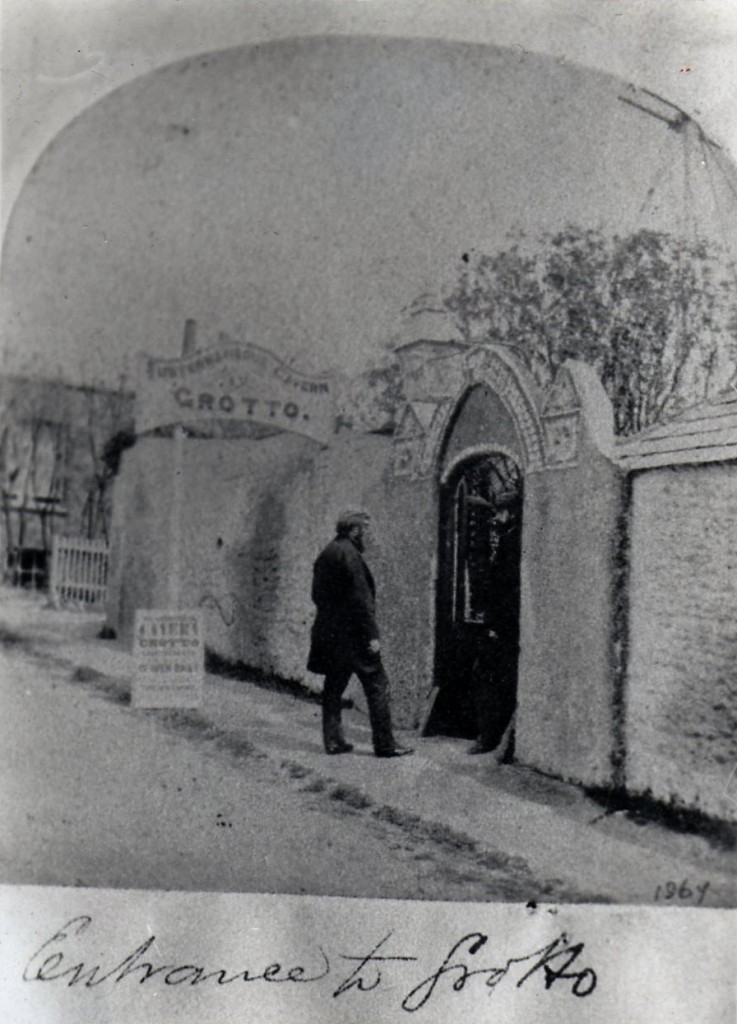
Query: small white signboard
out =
(169, 654)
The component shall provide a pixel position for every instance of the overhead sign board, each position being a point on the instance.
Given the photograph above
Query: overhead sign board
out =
(237, 382)
(169, 657)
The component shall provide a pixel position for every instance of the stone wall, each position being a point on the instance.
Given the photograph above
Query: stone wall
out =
(628, 638)
(406, 575)
(681, 698)
(566, 714)
(142, 516)
(254, 516)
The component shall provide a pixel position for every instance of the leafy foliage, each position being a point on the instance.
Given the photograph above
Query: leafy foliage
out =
(656, 315)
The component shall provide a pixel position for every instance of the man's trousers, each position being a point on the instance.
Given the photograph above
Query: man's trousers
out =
(376, 687)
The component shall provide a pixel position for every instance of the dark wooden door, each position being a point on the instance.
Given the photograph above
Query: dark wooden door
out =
(478, 597)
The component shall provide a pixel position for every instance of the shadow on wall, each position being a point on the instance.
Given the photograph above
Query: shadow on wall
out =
(142, 568)
(263, 571)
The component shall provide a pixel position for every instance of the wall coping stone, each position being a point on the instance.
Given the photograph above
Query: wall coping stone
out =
(703, 433)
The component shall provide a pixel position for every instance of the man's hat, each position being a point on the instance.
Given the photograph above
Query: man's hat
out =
(352, 518)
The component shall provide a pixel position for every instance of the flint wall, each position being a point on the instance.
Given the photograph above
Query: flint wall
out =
(681, 697)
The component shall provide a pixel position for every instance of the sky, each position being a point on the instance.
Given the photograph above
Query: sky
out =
(62, 56)
(59, 56)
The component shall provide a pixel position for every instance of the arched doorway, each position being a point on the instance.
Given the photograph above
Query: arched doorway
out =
(478, 598)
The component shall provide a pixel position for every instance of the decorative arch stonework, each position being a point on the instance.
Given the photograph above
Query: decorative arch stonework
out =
(561, 418)
(417, 452)
(476, 450)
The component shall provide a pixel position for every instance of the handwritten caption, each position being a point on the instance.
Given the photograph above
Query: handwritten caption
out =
(681, 892)
(470, 962)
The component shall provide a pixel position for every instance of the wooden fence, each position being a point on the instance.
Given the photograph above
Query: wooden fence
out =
(79, 571)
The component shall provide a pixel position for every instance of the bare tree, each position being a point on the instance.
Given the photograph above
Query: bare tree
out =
(108, 430)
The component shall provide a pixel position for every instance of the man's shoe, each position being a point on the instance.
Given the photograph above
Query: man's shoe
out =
(394, 752)
(339, 748)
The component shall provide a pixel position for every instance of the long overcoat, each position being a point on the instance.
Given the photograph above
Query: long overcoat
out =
(344, 592)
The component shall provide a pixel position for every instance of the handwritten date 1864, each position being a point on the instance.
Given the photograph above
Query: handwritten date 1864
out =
(682, 892)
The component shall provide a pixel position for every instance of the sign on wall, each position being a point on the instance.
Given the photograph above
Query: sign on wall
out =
(237, 382)
(169, 655)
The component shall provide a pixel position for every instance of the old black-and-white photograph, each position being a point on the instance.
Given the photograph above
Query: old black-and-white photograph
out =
(368, 450)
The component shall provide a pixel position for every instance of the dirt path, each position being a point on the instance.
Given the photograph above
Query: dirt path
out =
(93, 793)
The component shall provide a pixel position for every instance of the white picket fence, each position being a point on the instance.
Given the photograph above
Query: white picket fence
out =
(79, 571)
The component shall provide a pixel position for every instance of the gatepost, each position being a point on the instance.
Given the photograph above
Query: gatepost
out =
(168, 646)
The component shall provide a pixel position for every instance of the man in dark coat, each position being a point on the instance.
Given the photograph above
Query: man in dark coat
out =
(345, 638)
